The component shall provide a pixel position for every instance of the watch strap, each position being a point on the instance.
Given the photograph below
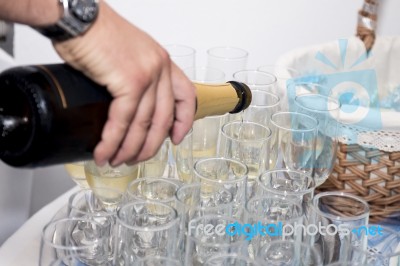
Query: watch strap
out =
(66, 28)
(55, 33)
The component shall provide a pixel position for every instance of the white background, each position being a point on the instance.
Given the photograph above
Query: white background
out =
(265, 28)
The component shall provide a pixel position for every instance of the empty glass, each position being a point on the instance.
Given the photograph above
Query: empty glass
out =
(293, 185)
(283, 75)
(326, 111)
(272, 218)
(220, 174)
(71, 261)
(146, 228)
(94, 201)
(156, 189)
(205, 74)
(257, 80)
(289, 253)
(84, 239)
(183, 56)
(158, 261)
(193, 202)
(228, 59)
(230, 259)
(261, 84)
(85, 204)
(383, 244)
(294, 138)
(212, 235)
(340, 222)
(248, 143)
(263, 105)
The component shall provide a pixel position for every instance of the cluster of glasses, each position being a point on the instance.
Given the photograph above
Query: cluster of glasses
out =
(238, 190)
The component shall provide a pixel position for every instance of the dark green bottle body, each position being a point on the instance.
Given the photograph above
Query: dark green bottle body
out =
(51, 114)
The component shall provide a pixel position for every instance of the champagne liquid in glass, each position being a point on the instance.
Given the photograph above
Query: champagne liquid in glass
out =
(203, 153)
(77, 172)
(184, 168)
(117, 178)
(112, 178)
(153, 168)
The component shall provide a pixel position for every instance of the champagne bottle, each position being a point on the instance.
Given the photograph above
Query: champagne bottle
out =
(53, 114)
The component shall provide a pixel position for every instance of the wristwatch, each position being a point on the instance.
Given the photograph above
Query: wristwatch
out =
(77, 17)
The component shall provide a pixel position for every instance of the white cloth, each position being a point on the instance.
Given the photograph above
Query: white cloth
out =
(23, 247)
(343, 67)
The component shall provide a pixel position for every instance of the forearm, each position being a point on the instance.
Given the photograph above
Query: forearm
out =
(30, 12)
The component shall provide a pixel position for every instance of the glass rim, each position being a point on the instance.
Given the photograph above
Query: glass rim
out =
(244, 54)
(159, 258)
(91, 167)
(83, 191)
(217, 71)
(296, 114)
(380, 256)
(242, 258)
(190, 49)
(152, 179)
(222, 217)
(230, 160)
(68, 219)
(295, 245)
(262, 139)
(328, 98)
(272, 76)
(291, 70)
(198, 185)
(273, 95)
(285, 192)
(162, 227)
(340, 194)
(279, 197)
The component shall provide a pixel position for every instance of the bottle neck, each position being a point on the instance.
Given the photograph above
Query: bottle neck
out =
(219, 99)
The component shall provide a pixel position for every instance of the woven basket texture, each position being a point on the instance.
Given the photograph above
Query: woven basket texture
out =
(371, 174)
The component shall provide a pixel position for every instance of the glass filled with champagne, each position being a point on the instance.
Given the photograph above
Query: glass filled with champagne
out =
(77, 172)
(111, 177)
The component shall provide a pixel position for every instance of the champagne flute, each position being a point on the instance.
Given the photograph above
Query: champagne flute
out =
(325, 110)
(77, 173)
(112, 177)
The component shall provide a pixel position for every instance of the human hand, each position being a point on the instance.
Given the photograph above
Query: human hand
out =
(152, 97)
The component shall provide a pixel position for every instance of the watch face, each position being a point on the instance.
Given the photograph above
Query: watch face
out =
(84, 10)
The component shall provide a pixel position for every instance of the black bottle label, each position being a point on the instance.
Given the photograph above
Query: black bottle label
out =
(72, 87)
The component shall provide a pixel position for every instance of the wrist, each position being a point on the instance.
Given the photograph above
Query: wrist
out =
(77, 17)
(75, 50)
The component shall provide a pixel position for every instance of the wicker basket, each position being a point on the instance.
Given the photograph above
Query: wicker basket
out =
(368, 171)
(371, 174)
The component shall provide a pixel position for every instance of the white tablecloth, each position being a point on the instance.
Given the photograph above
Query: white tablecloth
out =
(22, 248)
